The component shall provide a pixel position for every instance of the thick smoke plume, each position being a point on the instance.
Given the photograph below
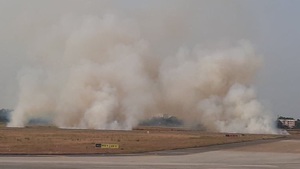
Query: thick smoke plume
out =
(99, 73)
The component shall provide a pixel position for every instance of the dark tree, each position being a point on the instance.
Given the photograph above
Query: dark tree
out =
(4, 115)
(297, 124)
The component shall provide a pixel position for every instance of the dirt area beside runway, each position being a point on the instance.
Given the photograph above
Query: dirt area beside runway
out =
(291, 144)
(282, 146)
(50, 140)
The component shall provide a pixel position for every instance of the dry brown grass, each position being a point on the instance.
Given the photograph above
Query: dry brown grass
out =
(50, 140)
(294, 133)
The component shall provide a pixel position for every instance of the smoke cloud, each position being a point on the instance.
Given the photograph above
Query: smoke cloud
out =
(100, 73)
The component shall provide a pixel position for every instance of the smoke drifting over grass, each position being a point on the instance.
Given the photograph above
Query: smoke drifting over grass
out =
(100, 73)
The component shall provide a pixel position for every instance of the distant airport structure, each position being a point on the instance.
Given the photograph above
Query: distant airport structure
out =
(288, 122)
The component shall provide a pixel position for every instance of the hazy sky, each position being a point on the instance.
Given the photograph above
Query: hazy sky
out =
(272, 26)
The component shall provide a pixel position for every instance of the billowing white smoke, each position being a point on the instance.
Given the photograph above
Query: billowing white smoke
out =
(99, 73)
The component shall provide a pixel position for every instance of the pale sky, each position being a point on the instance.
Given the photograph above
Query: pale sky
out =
(272, 26)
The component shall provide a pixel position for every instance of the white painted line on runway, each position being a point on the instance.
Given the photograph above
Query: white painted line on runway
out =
(11, 161)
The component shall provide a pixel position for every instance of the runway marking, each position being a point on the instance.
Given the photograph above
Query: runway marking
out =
(133, 163)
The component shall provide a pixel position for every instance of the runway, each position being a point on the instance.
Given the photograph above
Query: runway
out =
(237, 157)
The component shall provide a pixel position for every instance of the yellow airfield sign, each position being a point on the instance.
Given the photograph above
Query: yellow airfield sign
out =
(110, 146)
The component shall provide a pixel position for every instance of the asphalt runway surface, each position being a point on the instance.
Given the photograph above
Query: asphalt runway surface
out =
(263, 154)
